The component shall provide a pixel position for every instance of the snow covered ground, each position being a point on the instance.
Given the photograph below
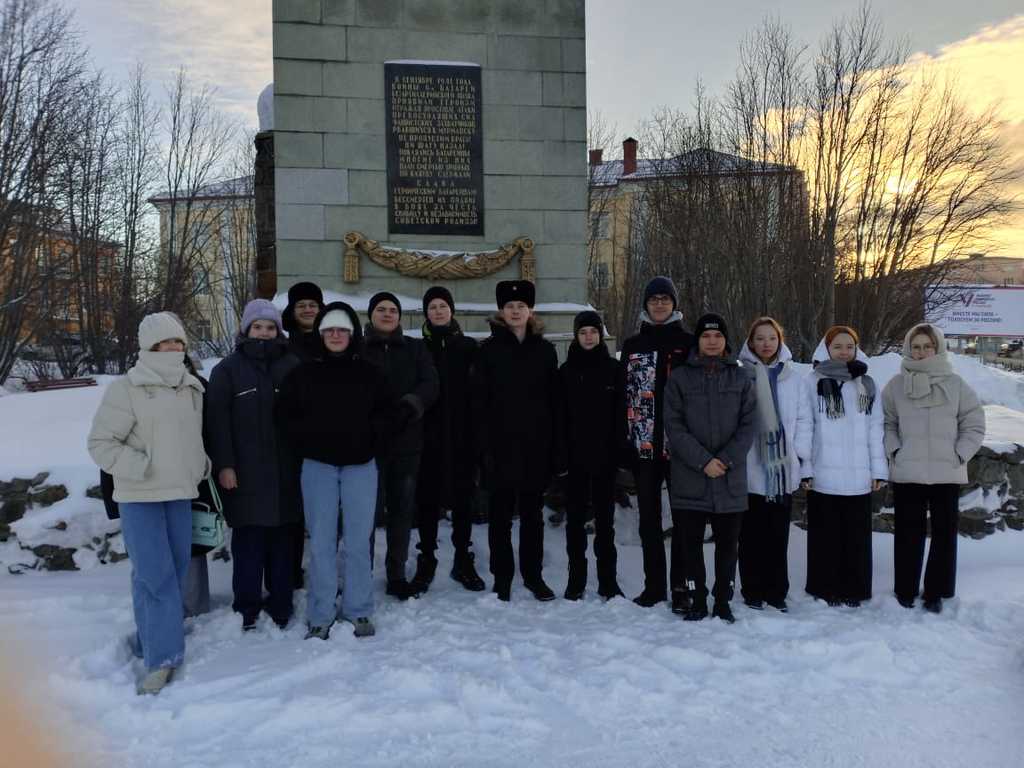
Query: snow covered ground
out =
(460, 679)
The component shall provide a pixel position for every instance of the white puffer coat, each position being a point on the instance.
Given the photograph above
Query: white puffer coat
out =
(794, 415)
(842, 455)
(148, 433)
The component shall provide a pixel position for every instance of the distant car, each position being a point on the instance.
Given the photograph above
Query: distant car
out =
(971, 348)
(1012, 348)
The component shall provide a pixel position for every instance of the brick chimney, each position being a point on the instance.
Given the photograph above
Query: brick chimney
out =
(595, 156)
(629, 156)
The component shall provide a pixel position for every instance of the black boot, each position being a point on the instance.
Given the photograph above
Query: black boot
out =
(426, 565)
(680, 601)
(610, 590)
(577, 583)
(540, 589)
(464, 572)
(400, 589)
(698, 611)
(724, 612)
(503, 591)
(649, 599)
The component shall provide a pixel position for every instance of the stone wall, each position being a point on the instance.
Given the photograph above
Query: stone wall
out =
(329, 133)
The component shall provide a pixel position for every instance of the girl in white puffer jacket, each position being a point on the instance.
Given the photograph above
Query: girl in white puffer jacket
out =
(842, 463)
(773, 466)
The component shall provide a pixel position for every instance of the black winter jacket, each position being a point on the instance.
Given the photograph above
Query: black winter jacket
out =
(410, 371)
(242, 434)
(647, 360)
(710, 413)
(591, 429)
(305, 346)
(449, 458)
(516, 409)
(338, 410)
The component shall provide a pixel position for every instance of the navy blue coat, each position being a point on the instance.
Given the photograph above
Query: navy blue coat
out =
(242, 435)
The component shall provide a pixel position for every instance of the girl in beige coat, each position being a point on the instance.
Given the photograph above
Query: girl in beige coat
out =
(934, 424)
(147, 433)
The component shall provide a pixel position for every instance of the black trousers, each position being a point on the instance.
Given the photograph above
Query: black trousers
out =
(258, 552)
(503, 505)
(649, 477)
(429, 512)
(726, 527)
(839, 546)
(396, 500)
(764, 549)
(913, 502)
(597, 492)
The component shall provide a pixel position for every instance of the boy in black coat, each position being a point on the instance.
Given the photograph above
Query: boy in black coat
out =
(592, 437)
(255, 469)
(447, 465)
(647, 360)
(516, 408)
(410, 371)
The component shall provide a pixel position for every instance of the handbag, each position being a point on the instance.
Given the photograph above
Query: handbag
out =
(208, 520)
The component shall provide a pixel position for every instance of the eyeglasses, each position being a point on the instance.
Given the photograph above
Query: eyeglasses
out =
(660, 300)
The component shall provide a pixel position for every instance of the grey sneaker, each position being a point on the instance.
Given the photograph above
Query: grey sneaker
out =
(320, 633)
(363, 627)
(154, 681)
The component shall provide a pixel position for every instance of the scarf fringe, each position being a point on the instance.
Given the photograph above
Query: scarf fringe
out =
(772, 448)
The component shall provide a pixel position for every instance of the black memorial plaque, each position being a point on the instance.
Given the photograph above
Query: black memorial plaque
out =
(434, 149)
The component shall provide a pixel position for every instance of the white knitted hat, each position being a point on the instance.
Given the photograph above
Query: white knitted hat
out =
(158, 327)
(336, 318)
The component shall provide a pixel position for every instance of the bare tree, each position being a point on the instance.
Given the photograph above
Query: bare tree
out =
(199, 141)
(41, 68)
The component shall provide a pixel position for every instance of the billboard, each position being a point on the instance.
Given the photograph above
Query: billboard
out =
(976, 310)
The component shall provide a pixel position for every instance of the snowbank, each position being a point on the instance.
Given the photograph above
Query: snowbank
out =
(460, 679)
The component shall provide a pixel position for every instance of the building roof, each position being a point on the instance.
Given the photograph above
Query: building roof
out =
(695, 161)
(225, 189)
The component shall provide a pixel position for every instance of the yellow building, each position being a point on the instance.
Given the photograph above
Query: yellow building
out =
(208, 243)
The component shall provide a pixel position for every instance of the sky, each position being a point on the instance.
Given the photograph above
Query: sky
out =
(640, 55)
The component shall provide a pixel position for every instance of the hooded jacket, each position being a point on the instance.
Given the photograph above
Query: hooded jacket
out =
(842, 455)
(339, 409)
(410, 370)
(647, 360)
(243, 436)
(590, 408)
(148, 432)
(931, 443)
(710, 412)
(448, 462)
(515, 400)
(794, 417)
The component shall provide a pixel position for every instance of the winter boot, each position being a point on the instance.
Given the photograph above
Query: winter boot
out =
(723, 612)
(426, 566)
(779, 605)
(401, 589)
(503, 591)
(577, 583)
(698, 611)
(464, 572)
(363, 627)
(680, 601)
(757, 605)
(249, 623)
(319, 633)
(540, 590)
(154, 681)
(906, 602)
(647, 599)
(933, 605)
(610, 590)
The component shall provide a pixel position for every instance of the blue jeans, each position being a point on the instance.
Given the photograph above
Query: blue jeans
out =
(324, 486)
(158, 537)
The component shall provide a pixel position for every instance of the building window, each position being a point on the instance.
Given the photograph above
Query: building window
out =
(600, 276)
(201, 283)
(203, 330)
(599, 223)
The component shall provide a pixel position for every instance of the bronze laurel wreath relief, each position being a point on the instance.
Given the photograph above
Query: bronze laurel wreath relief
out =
(434, 266)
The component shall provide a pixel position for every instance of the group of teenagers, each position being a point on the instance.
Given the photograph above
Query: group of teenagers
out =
(317, 427)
